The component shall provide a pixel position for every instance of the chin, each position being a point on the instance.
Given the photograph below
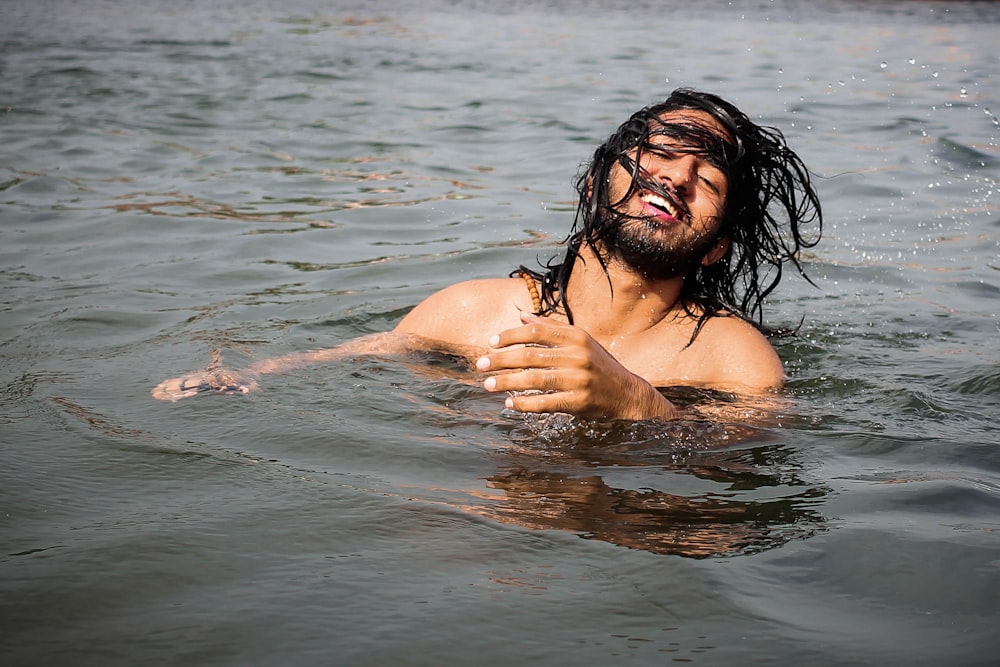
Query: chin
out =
(652, 258)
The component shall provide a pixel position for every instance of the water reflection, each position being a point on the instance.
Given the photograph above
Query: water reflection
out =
(657, 491)
(706, 486)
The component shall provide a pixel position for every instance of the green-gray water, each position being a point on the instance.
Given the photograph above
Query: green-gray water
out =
(268, 177)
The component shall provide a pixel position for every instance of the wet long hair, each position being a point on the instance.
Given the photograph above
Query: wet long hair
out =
(769, 201)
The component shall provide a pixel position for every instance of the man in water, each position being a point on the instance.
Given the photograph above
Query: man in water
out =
(686, 215)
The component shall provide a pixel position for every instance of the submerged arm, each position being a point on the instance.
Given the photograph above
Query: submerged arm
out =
(446, 321)
(387, 343)
(219, 380)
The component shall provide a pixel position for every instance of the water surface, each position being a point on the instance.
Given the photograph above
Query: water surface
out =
(260, 178)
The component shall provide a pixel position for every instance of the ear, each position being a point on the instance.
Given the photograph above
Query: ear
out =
(717, 252)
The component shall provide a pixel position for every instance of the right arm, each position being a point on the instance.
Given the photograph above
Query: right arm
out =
(217, 379)
(457, 319)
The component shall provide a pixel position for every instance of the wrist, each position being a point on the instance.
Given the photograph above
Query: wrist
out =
(648, 403)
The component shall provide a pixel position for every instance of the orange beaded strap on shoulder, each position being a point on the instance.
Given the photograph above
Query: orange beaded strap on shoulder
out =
(536, 298)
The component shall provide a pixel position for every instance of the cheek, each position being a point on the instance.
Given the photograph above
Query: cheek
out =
(720, 209)
(715, 204)
(619, 183)
(709, 206)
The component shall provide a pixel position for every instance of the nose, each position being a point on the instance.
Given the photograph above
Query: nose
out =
(681, 171)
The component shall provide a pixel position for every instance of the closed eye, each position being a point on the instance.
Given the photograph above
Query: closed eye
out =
(710, 183)
(708, 172)
(658, 151)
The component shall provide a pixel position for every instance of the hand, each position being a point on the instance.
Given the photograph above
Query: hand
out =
(578, 375)
(215, 380)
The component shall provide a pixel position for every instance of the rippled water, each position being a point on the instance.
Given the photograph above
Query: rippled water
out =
(263, 177)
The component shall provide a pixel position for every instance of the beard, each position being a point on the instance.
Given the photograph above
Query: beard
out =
(655, 251)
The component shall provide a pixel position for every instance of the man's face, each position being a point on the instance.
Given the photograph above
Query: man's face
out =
(672, 212)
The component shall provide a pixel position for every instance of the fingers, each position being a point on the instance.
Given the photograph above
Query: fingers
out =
(220, 382)
(537, 331)
(175, 389)
(535, 380)
(537, 344)
(544, 390)
(525, 357)
(541, 403)
(550, 360)
(562, 369)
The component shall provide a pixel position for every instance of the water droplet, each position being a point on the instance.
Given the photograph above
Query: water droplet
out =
(884, 65)
(912, 61)
(963, 93)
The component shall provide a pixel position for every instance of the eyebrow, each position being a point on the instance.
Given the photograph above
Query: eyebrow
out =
(714, 155)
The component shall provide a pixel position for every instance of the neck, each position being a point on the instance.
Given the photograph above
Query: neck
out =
(620, 302)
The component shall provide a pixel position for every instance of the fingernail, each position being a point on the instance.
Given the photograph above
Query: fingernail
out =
(509, 403)
(494, 341)
(483, 363)
(490, 384)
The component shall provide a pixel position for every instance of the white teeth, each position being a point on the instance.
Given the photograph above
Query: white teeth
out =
(659, 202)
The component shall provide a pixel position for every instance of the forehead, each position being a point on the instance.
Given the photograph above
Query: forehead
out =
(668, 121)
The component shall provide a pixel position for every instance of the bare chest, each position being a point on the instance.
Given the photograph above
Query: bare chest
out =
(665, 356)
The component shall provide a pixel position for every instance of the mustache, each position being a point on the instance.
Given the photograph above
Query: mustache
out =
(642, 183)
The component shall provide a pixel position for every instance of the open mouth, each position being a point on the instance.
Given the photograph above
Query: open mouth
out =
(665, 207)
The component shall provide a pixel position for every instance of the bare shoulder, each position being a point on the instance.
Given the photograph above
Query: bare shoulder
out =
(737, 355)
(468, 313)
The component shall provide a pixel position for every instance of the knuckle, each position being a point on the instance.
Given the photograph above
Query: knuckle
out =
(550, 380)
(539, 355)
(547, 403)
